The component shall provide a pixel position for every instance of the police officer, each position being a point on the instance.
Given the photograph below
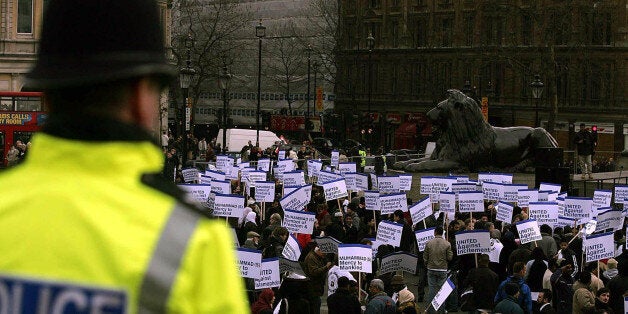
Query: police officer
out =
(88, 225)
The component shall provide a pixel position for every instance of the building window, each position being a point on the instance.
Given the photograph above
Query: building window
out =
(375, 4)
(25, 16)
(447, 32)
(469, 24)
(421, 32)
(394, 33)
(526, 30)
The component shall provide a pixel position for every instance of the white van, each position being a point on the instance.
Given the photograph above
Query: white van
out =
(238, 138)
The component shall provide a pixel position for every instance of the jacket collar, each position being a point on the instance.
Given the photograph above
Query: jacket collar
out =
(94, 129)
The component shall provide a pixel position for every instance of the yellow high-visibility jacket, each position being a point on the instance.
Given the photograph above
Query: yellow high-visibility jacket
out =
(84, 229)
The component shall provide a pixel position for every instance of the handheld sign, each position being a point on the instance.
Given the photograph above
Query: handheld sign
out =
(420, 210)
(389, 232)
(511, 192)
(405, 182)
(426, 185)
(361, 182)
(228, 205)
(313, 167)
(224, 163)
(388, 184)
(299, 221)
(215, 175)
(335, 158)
(609, 219)
(371, 200)
(190, 175)
(197, 192)
(332, 278)
(389, 203)
(355, 257)
(347, 167)
(504, 212)
(423, 236)
(543, 186)
(327, 244)
(249, 262)
(281, 155)
(492, 190)
(290, 266)
(526, 196)
(621, 194)
(528, 231)
(578, 207)
(447, 202)
(257, 175)
(295, 200)
(264, 191)
(293, 178)
(442, 294)
(495, 177)
(473, 241)
(269, 274)
(263, 164)
(291, 250)
(599, 246)
(326, 176)
(284, 165)
(221, 187)
(398, 261)
(471, 202)
(544, 212)
(335, 189)
(602, 198)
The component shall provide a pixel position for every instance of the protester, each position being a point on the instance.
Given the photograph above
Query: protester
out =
(509, 304)
(379, 302)
(543, 303)
(264, 303)
(601, 300)
(611, 270)
(342, 301)
(87, 218)
(524, 298)
(618, 286)
(484, 282)
(436, 255)
(537, 267)
(583, 298)
(315, 267)
(585, 143)
(406, 303)
(562, 283)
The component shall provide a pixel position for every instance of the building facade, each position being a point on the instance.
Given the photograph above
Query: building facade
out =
(490, 49)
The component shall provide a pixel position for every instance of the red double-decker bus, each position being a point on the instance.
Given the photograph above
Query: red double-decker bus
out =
(21, 114)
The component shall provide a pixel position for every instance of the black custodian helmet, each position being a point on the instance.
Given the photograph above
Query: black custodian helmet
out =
(86, 42)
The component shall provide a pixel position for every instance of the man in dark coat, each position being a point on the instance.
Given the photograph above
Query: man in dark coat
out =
(509, 304)
(562, 284)
(484, 282)
(585, 143)
(343, 301)
(316, 267)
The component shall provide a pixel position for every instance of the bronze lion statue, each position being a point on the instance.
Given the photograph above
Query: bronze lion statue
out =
(465, 141)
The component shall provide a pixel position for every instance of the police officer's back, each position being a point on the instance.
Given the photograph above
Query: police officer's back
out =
(88, 223)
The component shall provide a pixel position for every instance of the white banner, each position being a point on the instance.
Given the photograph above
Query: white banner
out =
(292, 250)
(473, 241)
(442, 184)
(526, 196)
(326, 176)
(564, 221)
(224, 164)
(295, 200)
(511, 192)
(447, 202)
(579, 208)
(350, 180)
(284, 165)
(249, 262)
(398, 261)
(389, 232)
(263, 164)
(281, 154)
(543, 186)
(389, 203)
(405, 182)
(388, 184)
(492, 190)
(602, 198)
(371, 200)
(504, 212)
(197, 192)
(335, 189)
(621, 195)
(423, 236)
(327, 244)
(599, 246)
(221, 187)
(190, 175)
(464, 187)
(299, 221)
(346, 167)
(544, 213)
(470, 202)
(270, 277)
(610, 219)
(361, 182)
(427, 183)
(528, 231)
(543, 196)
(420, 210)
(228, 205)
(294, 178)
(215, 175)
(442, 294)
(335, 158)
(313, 167)
(355, 257)
(257, 175)
(495, 177)
(264, 191)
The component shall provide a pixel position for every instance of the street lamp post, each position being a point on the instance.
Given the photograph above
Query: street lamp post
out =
(260, 32)
(537, 91)
(224, 80)
(371, 43)
(185, 79)
(307, 117)
(315, 65)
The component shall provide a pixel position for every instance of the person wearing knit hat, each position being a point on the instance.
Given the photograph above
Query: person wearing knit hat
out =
(406, 303)
(611, 271)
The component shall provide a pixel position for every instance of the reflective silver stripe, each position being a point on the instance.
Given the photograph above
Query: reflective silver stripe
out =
(166, 259)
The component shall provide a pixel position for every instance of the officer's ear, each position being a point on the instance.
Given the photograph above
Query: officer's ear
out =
(144, 103)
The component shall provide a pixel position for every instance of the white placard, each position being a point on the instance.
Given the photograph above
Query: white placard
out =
(389, 203)
(504, 212)
(197, 192)
(543, 186)
(464, 187)
(327, 244)
(492, 190)
(313, 167)
(545, 213)
(371, 200)
(281, 154)
(423, 236)
(295, 200)
(528, 231)
(333, 275)
(190, 175)
(525, 196)
(326, 176)
(299, 221)
(292, 250)
(442, 184)
(427, 183)
(599, 246)
(564, 221)
(335, 189)
(473, 241)
(420, 210)
(249, 262)
(205, 180)
(350, 181)
(355, 257)
(228, 205)
(447, 202)
(290, 266)
(224, 163)
(398, 261)
(543, 196)
(442, 294)
(511, 192)
(602, 198)
(346, 167)
(405, 182)
(470, 202)
(215, 175)
(609, 219)
(221, 187)
(335, 158)
(284, 165)
(579, 208)
(361, 182)
(256, 175)
(388, 184)
(264, 191)
(495, 177)
(270, 277)
(389, 232)
(621, 194)
(263, 164)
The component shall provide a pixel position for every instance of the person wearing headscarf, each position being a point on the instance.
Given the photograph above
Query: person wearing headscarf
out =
(264, 303)
(405, 302)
